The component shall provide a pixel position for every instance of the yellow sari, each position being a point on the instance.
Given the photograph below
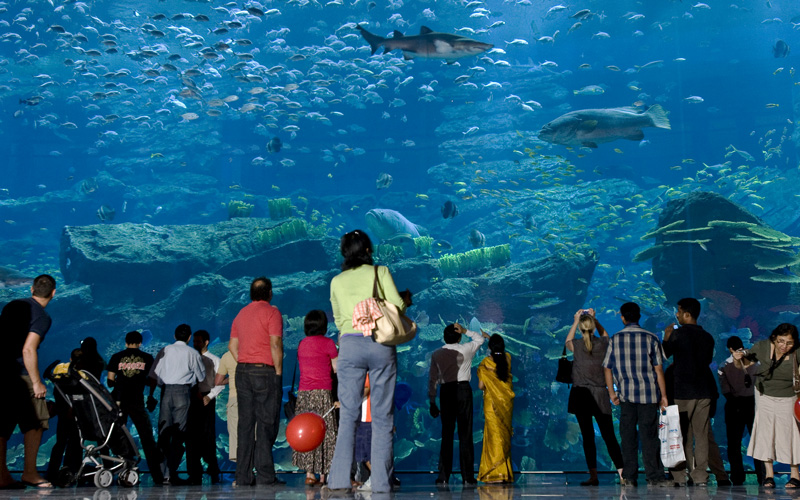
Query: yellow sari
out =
(498, 405)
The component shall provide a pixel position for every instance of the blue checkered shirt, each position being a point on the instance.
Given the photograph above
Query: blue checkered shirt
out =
(632, 355)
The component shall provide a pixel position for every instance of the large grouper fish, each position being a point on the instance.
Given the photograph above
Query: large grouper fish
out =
(588, 127)
(428, 44)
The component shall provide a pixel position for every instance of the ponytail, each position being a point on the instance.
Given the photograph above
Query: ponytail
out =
(584, 323)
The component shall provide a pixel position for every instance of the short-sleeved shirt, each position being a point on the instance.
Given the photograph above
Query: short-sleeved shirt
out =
(632, 355)
(130, 368)
(253, 326)
(227, 366)
(692, 351)
(18, 318)
(772, 381)
(314, 356)
(587, 369)
(733, 379)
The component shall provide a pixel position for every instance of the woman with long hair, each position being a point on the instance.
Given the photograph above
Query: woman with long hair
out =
(359, 354)
(494, 379)
(775, 435)
(589, 396)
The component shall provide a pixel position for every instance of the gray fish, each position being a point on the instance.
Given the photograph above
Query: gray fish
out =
(780, 49)
(449, 210)
(428, 44)
(384, 181)
(383, 223)
(588, 127)
(106, 213)
(11, 278)
(477, 238)
(274, 145)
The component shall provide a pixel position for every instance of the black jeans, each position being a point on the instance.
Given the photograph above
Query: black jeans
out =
(606, 425)
(739, 415)
(67, 439)
(645, 417)
(259, 394)
(455, 398)
(203, 442)
(138, 414)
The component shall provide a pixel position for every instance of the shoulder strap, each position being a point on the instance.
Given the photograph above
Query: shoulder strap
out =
(297, 362)
(375, 293)
(564, 352)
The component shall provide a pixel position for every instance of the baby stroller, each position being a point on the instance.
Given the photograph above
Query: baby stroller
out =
(108, 447)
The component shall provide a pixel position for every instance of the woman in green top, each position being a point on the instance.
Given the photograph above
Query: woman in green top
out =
(775, 435)
(359, 354)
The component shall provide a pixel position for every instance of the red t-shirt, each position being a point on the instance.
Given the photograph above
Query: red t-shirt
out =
(314, 355)
(253, 326)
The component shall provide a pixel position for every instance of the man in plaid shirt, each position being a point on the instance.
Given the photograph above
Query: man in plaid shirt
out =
(634, 361)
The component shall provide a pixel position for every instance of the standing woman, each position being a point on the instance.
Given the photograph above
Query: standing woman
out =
(775, 434)
(359, 354)
(589, 395)
(316, 356)
(494, 379)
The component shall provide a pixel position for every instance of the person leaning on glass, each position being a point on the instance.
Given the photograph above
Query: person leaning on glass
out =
(775, 433)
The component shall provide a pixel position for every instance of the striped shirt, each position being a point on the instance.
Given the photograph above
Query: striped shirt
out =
(631, 356)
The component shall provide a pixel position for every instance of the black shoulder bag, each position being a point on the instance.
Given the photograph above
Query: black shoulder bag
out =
(564, 373)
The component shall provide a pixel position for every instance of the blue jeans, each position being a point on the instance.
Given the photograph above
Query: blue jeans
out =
(259, 394)
(358, 356)
(172, 427)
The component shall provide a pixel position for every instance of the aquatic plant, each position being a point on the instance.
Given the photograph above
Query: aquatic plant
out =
(238, 208)
(542, 323)
(292, 230)
(387, 254)
(656, 232)
(725, 303)
(474, 261)
(423, 245)
(648, 253)
(280, 208)
(776, 278)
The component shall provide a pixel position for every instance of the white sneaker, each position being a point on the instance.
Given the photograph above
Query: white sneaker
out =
(366, 486)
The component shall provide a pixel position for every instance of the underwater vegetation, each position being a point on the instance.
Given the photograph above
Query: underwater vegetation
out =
(280, 208)
(292, 230)
(423, 246)
(474, 261)
(388, 254)
(238, 208)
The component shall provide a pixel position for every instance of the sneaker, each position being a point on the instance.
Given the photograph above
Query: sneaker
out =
(366, 486)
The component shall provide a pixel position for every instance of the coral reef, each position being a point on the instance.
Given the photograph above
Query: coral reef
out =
(423, 246)
(280, 208)
(474, 262)
(292, 230)
(238, 208)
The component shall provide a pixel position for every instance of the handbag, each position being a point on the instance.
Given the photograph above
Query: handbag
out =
(393, 327)
(564, 373)
(669, 432)
(290, 406)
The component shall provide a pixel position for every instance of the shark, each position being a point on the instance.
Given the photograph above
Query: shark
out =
(428, 44)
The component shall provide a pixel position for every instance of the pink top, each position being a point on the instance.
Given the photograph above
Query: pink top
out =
(314, 355)
(253, 326)
(366, 313)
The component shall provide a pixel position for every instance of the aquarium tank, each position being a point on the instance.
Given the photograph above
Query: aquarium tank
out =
(513, 161)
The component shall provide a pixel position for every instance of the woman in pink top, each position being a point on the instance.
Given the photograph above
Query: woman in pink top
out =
(316, 357)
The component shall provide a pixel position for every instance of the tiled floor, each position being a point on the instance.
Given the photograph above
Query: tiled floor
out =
(417, 486)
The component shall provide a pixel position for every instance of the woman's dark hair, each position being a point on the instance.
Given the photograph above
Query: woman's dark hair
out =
(316, 323)
(785, 329)
(497, 348)
(90, 360)
(356, 248)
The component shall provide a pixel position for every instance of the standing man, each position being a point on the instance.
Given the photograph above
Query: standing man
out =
(178, 368)
(451, 366)
(736, 377)
(257, 346)
(24, 325)
(128, 376)
(692, 350)
(226, 374)
(202, 417)
(634, 362)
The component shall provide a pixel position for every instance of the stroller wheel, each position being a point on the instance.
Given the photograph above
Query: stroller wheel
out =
(128, 478)
(103, 478)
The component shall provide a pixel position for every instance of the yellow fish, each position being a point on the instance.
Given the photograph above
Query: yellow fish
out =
(422, 196)
(156, 155)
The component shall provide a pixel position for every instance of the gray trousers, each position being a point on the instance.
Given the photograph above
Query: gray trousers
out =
(695, 422)
(358, 356)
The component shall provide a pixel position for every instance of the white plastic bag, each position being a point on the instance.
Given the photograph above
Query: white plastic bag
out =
(669, 432)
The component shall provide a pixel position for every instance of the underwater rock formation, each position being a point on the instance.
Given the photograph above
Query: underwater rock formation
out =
(706, 245)
(150, 261)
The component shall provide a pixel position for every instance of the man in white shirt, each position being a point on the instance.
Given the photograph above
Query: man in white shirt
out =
(202, 417)
(177, 368)
(451, 367)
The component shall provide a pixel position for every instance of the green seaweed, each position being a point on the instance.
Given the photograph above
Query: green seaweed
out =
(474, 261)
(656, 232)
(292, 230)
(648, 253)
(238, 208)
(423, 245)
(280, 208)
(731, 224)
(387, 254)
(777, 261)
(776, 278)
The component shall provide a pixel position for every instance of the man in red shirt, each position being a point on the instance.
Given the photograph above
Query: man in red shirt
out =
(257, 346)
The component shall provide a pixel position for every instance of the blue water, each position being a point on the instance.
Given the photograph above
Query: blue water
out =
(147, 162)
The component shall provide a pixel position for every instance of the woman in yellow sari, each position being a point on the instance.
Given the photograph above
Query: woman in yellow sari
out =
(494, 379)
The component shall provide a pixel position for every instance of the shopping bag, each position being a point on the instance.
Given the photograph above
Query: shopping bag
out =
(669, 432)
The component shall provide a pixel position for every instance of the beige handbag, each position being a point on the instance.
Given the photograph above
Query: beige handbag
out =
(394, 327)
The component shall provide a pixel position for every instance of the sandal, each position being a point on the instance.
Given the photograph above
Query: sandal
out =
(792, 484)
(768, 482)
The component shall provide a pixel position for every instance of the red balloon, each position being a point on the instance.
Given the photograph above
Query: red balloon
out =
(797, 410)
(305, 432)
